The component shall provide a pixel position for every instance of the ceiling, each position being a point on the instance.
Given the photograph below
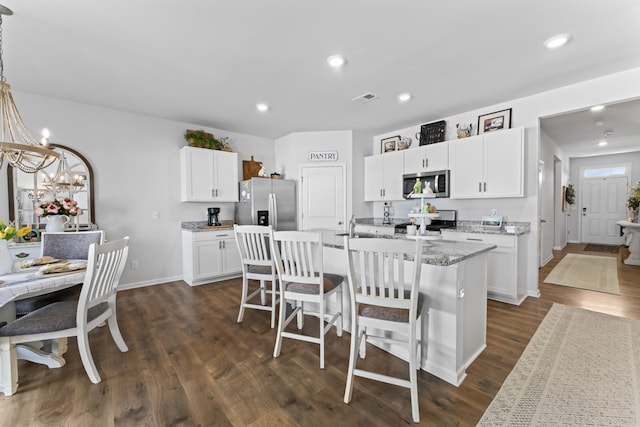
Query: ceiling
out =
(208, 62)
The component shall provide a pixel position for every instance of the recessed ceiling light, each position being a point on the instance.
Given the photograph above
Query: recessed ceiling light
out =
(597, 108)
(262, 107)
(602, 143)
(336, 61)
(599, 124)
(557, 41)
(404, 97)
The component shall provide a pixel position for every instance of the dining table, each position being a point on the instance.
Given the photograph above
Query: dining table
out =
(28, 282)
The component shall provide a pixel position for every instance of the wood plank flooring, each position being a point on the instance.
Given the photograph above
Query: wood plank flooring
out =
(190, 364)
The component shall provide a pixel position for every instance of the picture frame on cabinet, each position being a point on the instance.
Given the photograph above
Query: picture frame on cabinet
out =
(390, 144)
(494, 121)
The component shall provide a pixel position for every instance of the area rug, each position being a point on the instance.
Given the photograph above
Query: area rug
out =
(610, 249)
(591, 272)
(581, 368)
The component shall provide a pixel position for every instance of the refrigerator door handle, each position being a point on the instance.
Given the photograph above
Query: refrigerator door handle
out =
(273, 210)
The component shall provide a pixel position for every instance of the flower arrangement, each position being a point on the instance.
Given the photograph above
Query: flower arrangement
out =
(8, 232)
(62, 206)
(634, 197)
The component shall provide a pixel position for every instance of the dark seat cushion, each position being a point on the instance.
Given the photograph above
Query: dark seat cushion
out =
(260, 269)
(27, 305)
(331, 281)
(389, 313)
(53, 317)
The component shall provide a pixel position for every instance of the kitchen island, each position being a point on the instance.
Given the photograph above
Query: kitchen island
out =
(454, 318)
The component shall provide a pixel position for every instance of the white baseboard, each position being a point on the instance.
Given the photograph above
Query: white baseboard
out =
(148, 283)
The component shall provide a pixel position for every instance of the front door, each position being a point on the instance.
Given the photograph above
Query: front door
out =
(323, 197)
(602, 205)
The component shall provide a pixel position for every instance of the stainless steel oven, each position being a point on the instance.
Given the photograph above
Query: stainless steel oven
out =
(437, 180)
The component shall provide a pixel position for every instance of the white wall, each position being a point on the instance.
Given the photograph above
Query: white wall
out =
(292, 152)
(599, 161)
(136, 169)
(526, 112)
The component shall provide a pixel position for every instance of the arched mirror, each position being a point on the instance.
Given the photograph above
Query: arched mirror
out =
(71, 176)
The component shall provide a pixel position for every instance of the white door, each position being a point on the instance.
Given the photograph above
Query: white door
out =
(323, 197)
(541, 220)
(602, 205)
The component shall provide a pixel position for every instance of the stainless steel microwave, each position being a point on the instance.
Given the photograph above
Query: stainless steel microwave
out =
(437, 180)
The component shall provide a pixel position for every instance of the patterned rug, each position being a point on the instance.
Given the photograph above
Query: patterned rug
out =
(610, 249)
(580, 368)
(591, 272)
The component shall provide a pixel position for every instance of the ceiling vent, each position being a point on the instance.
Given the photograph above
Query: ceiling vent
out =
(363, 99)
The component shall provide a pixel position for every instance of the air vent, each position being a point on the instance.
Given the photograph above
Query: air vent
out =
(363, 99)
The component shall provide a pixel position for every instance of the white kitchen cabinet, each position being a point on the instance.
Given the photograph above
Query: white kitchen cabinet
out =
(209, 256)
(383, 177)
(208, 175)
(427, 158)
(490, 165)
(506, 265)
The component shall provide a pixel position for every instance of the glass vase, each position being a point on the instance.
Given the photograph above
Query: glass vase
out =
(6, 261)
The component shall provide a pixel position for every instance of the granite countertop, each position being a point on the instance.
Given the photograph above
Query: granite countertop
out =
(436, 252)
(464, 226)
(508, 228)
(193, 226)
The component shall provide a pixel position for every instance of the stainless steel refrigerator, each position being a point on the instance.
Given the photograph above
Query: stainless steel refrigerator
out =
(266, 201)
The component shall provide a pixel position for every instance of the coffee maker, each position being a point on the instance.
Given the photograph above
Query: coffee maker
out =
(213, 216)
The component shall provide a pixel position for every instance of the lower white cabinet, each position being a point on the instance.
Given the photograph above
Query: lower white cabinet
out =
(506, 265)
(209, 256)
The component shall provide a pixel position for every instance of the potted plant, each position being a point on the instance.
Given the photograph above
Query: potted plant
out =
(633, 202)
(201, 139)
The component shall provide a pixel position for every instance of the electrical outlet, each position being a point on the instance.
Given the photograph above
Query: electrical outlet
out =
(155, 215)
(134, 265)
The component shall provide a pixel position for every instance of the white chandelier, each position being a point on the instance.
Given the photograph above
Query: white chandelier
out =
(17, 145)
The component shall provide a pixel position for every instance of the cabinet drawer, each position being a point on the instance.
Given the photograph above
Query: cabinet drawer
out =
(203, 236)
(494, 239)
(31, 251)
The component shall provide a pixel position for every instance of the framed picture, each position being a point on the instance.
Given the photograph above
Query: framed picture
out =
(32, 236)
(390, 144)
(494, 121)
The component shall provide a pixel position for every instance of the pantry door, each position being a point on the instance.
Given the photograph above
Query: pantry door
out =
(602, 205)
(323, 196)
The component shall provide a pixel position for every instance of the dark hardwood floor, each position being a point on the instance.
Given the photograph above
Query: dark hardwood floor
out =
(190, 364)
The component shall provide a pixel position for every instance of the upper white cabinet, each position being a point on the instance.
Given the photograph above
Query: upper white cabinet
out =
(383, 177)
(490, 165)
(208, 175)
(427, 158)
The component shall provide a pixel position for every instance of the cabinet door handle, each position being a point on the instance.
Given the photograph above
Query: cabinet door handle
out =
(479, 187)
(426, 161)
(213, 194)
(475, 240)
(485, 186)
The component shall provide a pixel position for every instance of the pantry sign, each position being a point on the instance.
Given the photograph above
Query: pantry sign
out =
(323, 156)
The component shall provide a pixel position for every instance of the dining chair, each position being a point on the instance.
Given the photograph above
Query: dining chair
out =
(257, 264)
(61, 245)
(385, 296)
(97, 304)
(298, 259)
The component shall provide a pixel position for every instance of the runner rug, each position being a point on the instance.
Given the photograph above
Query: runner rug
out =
(581, 368)
(591, 272)
(611, 249)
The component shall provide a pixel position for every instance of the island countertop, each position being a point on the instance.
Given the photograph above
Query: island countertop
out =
(436, 252)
